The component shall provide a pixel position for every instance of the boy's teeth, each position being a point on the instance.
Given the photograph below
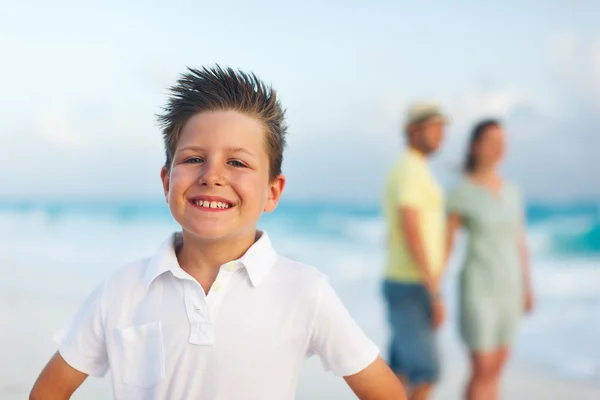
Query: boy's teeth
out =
(211, 204)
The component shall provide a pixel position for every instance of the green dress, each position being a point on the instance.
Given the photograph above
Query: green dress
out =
(491, 280)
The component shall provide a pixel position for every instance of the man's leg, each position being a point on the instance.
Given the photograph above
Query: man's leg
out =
(426, 372)
(397, 349)
(424, 353)
(404, 317)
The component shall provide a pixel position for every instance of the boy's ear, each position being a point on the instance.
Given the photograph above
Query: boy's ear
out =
(165, 178)
(275, 189)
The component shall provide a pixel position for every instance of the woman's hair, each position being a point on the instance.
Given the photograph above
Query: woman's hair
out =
(476, 135)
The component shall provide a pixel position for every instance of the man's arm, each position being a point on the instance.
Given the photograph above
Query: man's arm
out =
(58, 380)
(412, 235)
(376, 382)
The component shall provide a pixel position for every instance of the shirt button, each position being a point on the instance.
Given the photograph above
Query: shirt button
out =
(230, 266)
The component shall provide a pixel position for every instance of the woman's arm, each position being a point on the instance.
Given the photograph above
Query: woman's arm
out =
(453, 223)
(526, 271)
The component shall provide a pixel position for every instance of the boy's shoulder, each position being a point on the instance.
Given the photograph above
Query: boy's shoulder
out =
(292, 269)
(299, 281)
(129, 277)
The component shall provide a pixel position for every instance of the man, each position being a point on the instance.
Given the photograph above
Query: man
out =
(414, 208)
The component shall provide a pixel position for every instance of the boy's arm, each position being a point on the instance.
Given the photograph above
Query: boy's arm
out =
(57, 381)
(345, 349)
(82, 352)
(376, 382)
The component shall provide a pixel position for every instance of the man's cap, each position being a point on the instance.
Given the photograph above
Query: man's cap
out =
(422, 111)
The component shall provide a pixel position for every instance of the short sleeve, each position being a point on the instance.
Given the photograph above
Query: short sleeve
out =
(341, 344)
(409, 187)
(457, 201)
(82, 343)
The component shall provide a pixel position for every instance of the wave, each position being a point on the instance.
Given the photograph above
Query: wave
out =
(568, 230)
(565, 230)
(578, 243)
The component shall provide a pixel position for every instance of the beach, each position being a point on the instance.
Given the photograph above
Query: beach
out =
(53, 257)
(29, 346)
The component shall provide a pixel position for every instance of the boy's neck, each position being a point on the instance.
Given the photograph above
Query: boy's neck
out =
(203, 259)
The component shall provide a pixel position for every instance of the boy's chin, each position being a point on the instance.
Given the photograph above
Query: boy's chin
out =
(207, 234)
(211, 234)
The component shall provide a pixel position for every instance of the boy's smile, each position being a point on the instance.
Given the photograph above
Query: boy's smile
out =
(211, 203)
(218, 184)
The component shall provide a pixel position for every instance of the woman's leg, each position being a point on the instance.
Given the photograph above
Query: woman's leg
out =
(501, 357)
(484, 378)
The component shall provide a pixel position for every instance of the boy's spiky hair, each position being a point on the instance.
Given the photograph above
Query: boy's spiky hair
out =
(218, 89)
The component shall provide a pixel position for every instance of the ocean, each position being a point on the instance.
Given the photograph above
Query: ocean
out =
(62, 249)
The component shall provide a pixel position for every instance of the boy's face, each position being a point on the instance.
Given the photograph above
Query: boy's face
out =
(218, 185)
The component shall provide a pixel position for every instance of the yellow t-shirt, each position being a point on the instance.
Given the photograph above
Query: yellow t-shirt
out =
(411, 184)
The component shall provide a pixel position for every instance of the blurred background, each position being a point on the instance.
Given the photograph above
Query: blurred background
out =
(80, 154)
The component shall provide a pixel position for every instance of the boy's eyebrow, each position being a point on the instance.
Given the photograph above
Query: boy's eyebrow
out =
(191, 148)
(228, 149)
(240, 150)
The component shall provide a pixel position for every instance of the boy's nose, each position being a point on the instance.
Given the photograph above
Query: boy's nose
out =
(212, 174)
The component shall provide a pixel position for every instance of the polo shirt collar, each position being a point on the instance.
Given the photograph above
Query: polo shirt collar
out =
(416, 154)
(258, 260)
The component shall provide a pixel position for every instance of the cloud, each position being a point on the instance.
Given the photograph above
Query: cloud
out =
(479, 102)
(54, 126)
(577, 64)
(93, 121)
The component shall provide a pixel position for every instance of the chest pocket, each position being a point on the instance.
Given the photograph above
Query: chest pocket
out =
(141, 354)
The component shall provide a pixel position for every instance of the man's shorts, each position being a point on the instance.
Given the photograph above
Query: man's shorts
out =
(413, 350)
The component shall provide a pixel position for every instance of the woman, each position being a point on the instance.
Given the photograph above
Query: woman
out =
(494, 284)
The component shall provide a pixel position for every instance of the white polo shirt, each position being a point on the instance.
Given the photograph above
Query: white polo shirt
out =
(163, 338)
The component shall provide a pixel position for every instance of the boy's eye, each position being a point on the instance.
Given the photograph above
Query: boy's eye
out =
(193, 160)
(237, 164)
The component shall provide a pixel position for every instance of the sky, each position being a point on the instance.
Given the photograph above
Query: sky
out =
(80, 86)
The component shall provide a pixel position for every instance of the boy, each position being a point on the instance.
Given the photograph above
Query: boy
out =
(216, 313)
